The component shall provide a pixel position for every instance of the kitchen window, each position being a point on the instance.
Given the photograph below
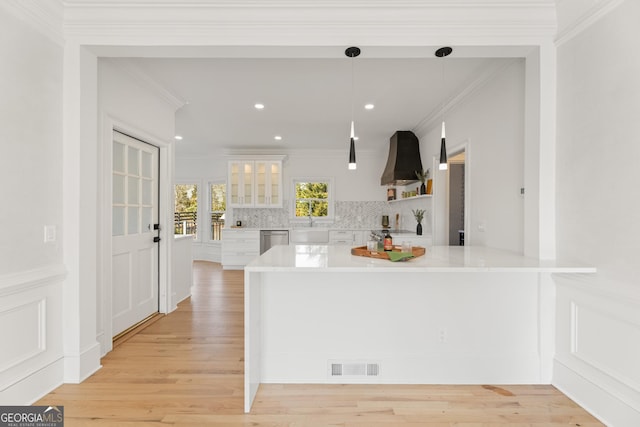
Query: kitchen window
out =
(313, 198)
(185, 216)
(218, 205)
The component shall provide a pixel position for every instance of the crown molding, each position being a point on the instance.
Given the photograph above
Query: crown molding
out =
(308, 3)
(460, 96)
(322, 22)
(578, 24)
(44, 16)
(147, 82)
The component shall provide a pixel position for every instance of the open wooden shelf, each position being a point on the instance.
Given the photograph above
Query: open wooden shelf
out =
(420, 196)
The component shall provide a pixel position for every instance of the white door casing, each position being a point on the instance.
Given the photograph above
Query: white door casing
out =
(134, 266)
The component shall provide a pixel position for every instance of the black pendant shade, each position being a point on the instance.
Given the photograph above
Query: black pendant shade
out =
(352, 155)
(443, 151)
(443, 155)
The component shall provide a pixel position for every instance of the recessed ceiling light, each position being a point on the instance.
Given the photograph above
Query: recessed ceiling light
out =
(259, 106)
(369, 107)
(178, 137)
(277, 138)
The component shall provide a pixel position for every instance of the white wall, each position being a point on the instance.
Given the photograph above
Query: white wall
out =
(491, 123)
(31, 160)
(182, 269)
(31, 271)
(598, 318)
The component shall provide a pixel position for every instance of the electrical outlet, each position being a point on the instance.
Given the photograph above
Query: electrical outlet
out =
(442, 336)
(49, 233)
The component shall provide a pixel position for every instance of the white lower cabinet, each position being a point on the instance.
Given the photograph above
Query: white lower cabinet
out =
(347, 237)
(239, 247)
(340, 237)
(413, 240)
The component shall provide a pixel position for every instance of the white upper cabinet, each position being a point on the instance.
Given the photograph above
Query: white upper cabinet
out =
(268, 183)
(240, 191)
(254, 183)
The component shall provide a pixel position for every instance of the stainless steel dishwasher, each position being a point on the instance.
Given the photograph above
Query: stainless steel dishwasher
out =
(270, 238)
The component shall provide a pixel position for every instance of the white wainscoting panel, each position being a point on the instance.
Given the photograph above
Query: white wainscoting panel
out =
(598, 349)
(608, 342)
(31, 360)
(23, 329)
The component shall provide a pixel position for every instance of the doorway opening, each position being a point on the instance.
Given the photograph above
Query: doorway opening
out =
(457, 198)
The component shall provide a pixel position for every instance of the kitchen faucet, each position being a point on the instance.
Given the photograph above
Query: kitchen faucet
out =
(310, 217)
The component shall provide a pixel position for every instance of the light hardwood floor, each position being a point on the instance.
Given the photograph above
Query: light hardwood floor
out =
(186, 369)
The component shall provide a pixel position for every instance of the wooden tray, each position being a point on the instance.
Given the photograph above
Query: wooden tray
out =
(362, 251)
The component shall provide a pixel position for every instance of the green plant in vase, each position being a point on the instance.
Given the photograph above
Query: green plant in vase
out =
(422, 176)
(418, 214)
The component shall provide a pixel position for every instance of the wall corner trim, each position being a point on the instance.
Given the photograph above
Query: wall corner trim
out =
(587, 19)
(47, 17)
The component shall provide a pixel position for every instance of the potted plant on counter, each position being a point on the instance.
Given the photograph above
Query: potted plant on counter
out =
(418, 214)
(423, 176)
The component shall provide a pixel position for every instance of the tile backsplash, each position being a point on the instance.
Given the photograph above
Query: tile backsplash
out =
(348, 215)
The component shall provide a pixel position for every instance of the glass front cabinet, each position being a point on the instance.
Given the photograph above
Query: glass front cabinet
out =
(240, 184)
(268, 183)
(254, 183)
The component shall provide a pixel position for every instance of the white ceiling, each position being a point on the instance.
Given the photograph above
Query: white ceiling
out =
(307, 94)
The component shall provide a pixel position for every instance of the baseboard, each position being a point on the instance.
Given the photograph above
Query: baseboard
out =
(78, 368)
(601, 404)
(31, 388)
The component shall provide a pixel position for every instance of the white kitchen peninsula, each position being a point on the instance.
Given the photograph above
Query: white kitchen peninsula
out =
(458, 315)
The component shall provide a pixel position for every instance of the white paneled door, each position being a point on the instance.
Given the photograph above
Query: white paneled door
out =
(135, 212)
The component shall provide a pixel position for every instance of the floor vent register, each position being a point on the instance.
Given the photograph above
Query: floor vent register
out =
(352, 369)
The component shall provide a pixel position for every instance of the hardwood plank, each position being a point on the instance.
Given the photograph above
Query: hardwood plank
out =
(186, 369)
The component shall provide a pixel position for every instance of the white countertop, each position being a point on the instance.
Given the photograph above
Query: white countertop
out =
(438, 259)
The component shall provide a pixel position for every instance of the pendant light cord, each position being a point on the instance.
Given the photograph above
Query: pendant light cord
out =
(352, 94)
(444, 88)
(442, 53)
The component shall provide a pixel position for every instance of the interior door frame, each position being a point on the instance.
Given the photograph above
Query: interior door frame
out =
(104, 301)
(440, 207)
(464, 146)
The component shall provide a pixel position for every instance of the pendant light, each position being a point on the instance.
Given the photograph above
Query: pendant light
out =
(442, 53)
(352, 52)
